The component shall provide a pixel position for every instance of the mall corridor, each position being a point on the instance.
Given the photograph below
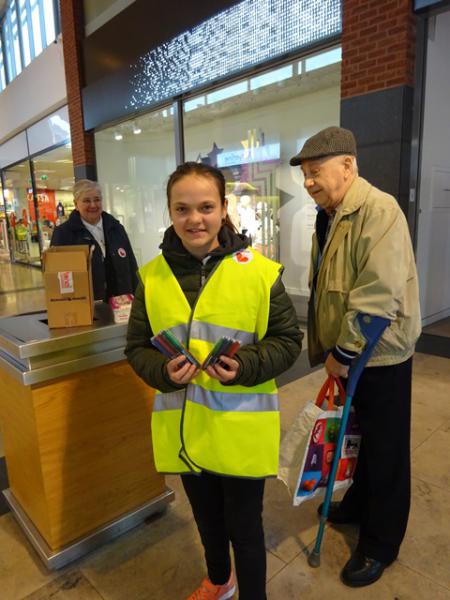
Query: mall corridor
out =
(162, 559)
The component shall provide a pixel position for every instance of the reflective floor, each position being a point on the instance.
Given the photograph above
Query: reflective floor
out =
(441, 328)
(162, 559)
(21, 289)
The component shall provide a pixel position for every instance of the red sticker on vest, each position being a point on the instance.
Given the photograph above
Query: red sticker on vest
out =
(121, 252)
(243, 256)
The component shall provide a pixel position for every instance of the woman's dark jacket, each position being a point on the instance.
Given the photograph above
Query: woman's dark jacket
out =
(259, 362)
(112, 275)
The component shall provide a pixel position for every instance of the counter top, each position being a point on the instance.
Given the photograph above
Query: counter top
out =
(33, 353)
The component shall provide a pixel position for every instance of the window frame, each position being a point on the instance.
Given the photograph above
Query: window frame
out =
(15, 49)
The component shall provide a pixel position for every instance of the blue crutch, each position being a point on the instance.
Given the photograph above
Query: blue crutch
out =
(372, 328)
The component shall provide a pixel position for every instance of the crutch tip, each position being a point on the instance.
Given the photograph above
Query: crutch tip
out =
(314, 559)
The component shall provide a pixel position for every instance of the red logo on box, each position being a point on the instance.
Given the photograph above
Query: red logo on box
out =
(65, 282)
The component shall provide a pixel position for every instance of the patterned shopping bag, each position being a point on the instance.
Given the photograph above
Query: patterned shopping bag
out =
(307, 450)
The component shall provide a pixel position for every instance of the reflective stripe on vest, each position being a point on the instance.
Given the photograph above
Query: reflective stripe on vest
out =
(217, 400)
(208, 331)
(232, 430)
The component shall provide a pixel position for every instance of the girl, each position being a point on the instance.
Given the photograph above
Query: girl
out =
(218, 427)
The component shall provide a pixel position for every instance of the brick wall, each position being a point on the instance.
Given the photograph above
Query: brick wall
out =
(72, 28)
(378, 45)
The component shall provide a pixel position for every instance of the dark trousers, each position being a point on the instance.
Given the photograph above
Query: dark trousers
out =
(380, 494)
(229, 509)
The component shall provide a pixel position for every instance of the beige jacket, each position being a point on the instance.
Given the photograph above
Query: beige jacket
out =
(367, 266)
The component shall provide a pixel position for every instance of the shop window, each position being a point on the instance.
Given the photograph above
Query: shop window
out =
(3, 227)
(324, 59)
(22, 215)
(134, 160)
(54, 179)
(251, 137)
(249, 129)
(236, 89)
(271, 77)
(194, 103)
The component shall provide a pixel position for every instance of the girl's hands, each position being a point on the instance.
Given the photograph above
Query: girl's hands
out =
(180, 370)
(224, 373)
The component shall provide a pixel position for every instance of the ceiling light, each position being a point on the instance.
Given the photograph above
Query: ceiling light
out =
(136, 129)
(118, 136)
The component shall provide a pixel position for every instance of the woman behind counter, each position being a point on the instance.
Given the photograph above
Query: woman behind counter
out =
(114, 265)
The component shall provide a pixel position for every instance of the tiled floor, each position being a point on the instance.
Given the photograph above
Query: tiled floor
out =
(162, 559)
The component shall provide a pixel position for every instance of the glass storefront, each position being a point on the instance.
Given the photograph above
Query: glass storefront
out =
(4, 246)
(54, 179)
(249, 129)
(37, 176)
(32, 217)
(134, 160)
(21, 211)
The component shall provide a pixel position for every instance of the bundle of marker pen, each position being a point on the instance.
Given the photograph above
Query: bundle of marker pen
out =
(168, 344)
(224, 346)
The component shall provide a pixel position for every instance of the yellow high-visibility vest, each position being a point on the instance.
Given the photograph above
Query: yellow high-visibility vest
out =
(229, 430)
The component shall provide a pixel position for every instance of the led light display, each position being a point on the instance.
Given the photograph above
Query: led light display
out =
(250, 33)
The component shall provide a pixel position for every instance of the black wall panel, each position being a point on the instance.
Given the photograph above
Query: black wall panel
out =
(142, 26)
(381, 122)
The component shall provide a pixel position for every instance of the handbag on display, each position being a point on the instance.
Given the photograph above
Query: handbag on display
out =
(307, 449)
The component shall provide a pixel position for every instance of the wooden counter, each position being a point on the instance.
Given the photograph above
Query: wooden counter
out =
(79, 457)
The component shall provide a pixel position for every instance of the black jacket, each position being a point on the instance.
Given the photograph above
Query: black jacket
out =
(259, 362)
(113, 275)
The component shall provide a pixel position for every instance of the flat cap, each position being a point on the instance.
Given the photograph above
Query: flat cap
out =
(328, 142)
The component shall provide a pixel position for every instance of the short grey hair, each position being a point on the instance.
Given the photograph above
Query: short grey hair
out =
(85, 185)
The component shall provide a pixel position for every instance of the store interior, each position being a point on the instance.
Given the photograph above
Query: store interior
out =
(28, 218)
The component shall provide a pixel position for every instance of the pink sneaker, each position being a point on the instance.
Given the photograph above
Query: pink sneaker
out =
(209, 591)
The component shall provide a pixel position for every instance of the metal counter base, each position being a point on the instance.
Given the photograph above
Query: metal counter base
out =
(98, 537)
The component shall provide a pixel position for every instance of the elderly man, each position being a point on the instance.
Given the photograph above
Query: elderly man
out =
(363, 262)
(114, 267)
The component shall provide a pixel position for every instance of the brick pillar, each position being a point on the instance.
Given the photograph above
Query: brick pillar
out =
(72, 29)
(378, 59)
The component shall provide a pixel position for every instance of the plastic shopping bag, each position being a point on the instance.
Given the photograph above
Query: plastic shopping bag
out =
(307, 450)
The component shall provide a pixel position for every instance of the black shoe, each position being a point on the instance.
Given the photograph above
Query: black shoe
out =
(361, 570)
(336, 515)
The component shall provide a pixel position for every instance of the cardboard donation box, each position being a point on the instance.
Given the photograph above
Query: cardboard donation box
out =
(68, 286)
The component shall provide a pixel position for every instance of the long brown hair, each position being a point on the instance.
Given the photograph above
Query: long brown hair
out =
(201, 170)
